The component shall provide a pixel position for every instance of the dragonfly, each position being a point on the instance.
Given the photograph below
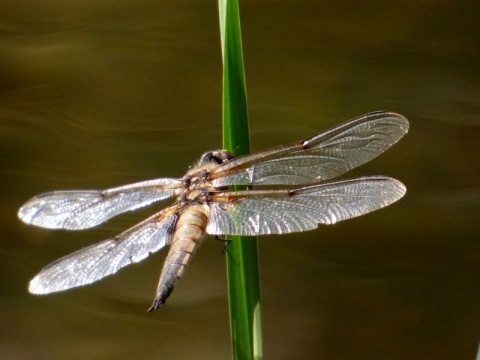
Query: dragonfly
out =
(205, 204)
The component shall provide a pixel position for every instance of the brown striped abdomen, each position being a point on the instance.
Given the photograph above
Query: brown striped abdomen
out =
(190, 227)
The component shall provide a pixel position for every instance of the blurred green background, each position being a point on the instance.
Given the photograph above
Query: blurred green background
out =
(96, 94)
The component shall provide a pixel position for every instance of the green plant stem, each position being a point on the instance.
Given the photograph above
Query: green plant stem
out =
(242, 253)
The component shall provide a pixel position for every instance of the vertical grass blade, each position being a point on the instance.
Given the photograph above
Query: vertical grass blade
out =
(242, 253)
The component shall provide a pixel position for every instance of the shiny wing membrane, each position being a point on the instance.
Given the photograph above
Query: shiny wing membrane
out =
(107, 257)
(317, 158)
(258, 212)
(82, 209)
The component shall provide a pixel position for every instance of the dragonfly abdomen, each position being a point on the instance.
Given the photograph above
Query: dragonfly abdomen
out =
(190, 227)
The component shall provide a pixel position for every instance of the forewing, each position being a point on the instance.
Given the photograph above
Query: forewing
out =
(107, 257)
(251, 213)
(317, 158)
(81, 209)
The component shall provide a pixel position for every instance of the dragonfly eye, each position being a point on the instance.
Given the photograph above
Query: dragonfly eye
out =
(218, 156)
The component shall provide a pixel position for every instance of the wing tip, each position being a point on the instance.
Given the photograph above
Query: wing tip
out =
(25, 214)
(36, 217)
(399, 185)
(35, 287)
(392, 189)
(398, 189)
(400, 120)
(32, 213)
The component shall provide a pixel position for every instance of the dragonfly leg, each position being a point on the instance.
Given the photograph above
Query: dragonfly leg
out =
(225, 240)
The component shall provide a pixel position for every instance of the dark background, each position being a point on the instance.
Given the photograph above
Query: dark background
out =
(96, 94)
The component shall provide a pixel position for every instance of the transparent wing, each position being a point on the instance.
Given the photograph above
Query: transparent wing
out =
(81, 209)
(317, 158)
(107, 257)
(251, 213)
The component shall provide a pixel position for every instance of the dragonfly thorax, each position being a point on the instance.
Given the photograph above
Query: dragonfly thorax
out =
(196, 184)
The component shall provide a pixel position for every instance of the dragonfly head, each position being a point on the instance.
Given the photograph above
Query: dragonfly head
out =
(217, 156)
